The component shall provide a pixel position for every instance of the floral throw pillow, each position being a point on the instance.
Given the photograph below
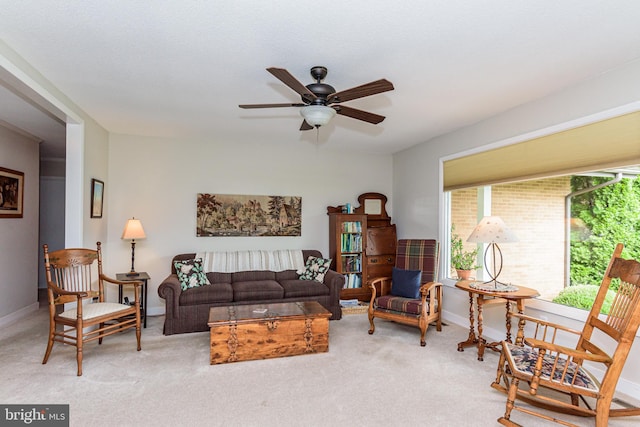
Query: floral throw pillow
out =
(315, 269)
(190, 273)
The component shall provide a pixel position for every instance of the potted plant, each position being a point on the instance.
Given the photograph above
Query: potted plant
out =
(463, 261)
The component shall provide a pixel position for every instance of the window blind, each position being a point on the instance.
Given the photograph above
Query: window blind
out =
(606, 144)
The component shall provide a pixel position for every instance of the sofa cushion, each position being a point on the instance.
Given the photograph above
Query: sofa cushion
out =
(295, 288)
(246, 276)
(219, 292)
(287, 275)
(254, 290)
(190, 273)
(215, 277)
(315, 269)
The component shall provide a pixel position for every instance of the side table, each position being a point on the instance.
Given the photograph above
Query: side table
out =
(143, 277)
(483, 297)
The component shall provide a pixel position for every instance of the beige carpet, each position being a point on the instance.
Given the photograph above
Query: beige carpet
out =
(385, 379)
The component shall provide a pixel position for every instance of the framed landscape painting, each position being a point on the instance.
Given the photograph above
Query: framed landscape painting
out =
(11, 193)
(241, 215)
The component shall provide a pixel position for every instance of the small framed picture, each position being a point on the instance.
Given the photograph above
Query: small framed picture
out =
(11, 193)
(97, 197)
(373, 207)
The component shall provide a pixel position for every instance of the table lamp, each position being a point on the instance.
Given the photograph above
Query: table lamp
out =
(492, 230)
(133, 230)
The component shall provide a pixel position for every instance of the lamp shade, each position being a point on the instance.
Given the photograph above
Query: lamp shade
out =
(492, 229)
(317, 115)
(133, 230)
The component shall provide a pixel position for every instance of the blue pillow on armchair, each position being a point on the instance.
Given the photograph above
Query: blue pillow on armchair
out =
(405, 283)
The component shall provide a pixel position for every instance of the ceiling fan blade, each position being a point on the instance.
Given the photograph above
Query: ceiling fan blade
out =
(270, 105)
(305, 126)
(368, 89)
(285, 77)
(354, 113)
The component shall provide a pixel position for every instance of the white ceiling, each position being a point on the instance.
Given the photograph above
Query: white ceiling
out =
(24, 116)
(180, 68)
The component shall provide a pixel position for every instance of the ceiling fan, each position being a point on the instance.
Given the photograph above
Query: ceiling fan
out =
(320, 101)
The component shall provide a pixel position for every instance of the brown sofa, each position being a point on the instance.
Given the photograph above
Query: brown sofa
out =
(188, 311)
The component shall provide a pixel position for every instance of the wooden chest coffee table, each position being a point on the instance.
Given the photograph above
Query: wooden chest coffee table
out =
(263, 331)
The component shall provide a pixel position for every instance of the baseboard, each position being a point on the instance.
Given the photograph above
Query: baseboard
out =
(490, 334)
(156, 311)
(17, 315)
(42, 295)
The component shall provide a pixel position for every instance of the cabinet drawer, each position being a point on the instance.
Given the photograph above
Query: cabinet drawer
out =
(381, 260)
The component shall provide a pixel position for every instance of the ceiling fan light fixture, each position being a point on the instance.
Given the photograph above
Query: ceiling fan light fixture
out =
(317, 115)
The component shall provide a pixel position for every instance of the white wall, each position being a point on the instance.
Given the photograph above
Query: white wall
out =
(417, 179)
(87, 146)
(51, 221)
(156, 180)
(95, 160)
(19, 236)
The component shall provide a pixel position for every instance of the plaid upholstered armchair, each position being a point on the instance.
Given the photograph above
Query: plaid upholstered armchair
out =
(411, 296)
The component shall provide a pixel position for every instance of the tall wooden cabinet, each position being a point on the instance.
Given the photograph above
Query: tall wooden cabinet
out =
(362, 245)
(380, 251)
(382, 239)
(347, 243)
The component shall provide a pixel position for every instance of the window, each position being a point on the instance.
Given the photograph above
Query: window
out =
(539, 213)
(607, 144)
(528, 184)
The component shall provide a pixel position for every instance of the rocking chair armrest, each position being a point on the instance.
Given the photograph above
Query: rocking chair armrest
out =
(571, 352)
(60, 291)
(544, 323)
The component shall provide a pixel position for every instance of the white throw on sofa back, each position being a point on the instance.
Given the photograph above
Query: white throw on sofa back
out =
(231, 262)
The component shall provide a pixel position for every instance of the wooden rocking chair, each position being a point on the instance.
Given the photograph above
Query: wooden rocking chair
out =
(71, 276)
(532, 366)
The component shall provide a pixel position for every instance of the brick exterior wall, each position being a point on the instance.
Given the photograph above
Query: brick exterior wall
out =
(534, 210)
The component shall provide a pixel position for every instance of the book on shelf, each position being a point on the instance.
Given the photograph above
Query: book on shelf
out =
(352, 263)
(352, 227)
(351, 243)
(352, 280)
